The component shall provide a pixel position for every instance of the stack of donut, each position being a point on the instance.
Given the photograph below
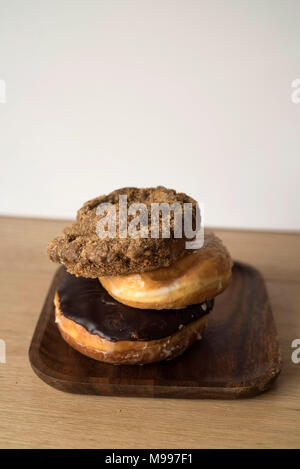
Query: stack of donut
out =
(139, 300)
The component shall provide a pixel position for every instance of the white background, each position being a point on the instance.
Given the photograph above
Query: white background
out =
(191, 94)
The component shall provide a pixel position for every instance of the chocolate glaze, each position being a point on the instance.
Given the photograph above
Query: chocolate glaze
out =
(86, 302)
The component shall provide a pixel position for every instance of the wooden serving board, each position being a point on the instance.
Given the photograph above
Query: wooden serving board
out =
(239, 354)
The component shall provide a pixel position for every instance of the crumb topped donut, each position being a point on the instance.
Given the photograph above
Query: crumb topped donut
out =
(84, 254)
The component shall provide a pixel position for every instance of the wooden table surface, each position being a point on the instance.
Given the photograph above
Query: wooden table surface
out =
(34, 415)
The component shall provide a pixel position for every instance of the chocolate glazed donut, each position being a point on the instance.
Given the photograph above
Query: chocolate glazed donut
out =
(95, 324)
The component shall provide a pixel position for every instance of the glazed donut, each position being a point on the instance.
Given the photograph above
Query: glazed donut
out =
(97, 326)
(192, 279)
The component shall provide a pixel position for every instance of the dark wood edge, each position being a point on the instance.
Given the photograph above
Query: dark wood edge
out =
(190, 392)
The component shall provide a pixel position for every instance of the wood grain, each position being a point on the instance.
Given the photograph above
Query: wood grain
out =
(34, 415)
(238, 356)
